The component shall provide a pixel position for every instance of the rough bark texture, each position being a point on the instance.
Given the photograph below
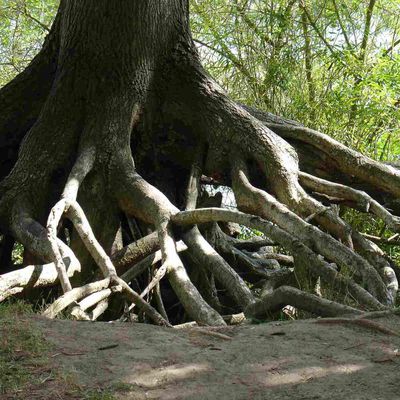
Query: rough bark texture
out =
(117, 117)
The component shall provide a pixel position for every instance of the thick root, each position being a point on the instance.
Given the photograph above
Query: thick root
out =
(35, 276)
(287, 295)
(349, 162)
(317, 266)
(141, 199)
(251, 198)
(133, 253)
(215, 264)
(73, 296)
(356, 198)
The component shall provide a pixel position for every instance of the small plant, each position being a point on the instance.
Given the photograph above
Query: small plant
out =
(17, 253)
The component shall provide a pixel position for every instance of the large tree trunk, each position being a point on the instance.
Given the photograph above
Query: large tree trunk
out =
(117, 116)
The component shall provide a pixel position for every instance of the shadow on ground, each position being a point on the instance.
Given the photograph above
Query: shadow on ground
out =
(278, 360)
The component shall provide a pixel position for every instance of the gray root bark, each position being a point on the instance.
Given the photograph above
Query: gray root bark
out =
(317, 266)
(286, 295)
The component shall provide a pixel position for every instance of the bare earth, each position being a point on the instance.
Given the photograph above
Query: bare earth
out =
(278, 360)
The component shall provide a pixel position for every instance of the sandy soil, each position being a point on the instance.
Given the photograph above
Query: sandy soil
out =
(278, 360)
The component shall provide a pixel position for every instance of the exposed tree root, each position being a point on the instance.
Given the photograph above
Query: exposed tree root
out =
(363, 201)
(94, 299)
(392, 241)
(355, 198)
(79, 220)
(286, 295)
(317, 266)
(100, 309)
(35, 276)
(144, 200)
(135, 252)
(191, 299)
(222, 271)
(74, 295)
(148, 203)
(52, 224)
(147, 262)
(206, 255)
(251, 198)
(349, 161)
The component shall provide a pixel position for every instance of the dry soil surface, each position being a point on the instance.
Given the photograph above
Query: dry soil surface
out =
(277, 360)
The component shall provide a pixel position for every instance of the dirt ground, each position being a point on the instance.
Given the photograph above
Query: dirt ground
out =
(278, 360)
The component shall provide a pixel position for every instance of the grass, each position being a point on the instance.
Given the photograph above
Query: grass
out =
(108, 393)
(26, 366)
(22, 348)
(98, 395)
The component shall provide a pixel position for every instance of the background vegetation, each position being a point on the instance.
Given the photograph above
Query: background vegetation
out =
(333, 65)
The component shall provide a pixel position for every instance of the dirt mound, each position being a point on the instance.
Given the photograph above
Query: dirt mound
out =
(277, 360)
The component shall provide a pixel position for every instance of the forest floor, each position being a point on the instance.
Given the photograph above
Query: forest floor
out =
(276, 360)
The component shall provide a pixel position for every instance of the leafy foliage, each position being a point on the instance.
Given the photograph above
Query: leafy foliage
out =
(321, 63)
(23, 26)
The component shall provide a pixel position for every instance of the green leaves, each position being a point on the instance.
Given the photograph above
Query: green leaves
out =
(23, 26)
(257, 51)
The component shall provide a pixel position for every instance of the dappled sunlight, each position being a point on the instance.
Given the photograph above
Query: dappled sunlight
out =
(152, 363)
(158, 377)
(388, 352)
(276, 377)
